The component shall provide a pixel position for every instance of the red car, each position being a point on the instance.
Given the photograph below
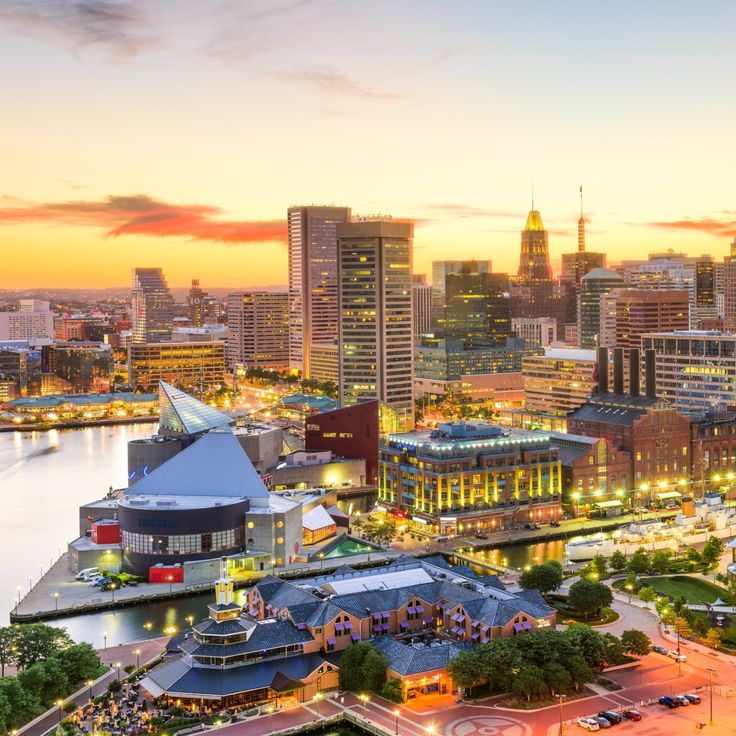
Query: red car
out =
(632, 715)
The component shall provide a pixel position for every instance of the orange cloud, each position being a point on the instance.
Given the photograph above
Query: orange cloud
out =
(709, 225)
(140, 214)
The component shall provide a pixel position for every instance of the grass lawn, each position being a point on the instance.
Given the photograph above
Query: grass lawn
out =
(695, 590)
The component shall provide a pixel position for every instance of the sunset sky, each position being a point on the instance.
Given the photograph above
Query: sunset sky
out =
(175, 133)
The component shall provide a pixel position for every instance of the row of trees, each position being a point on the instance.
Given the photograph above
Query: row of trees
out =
(56, 670)
(544, 661)
(381, 531)
(23, 645)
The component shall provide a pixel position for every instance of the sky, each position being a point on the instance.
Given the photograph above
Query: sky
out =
(176, 133)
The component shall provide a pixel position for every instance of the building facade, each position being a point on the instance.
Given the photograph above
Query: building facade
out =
(152, 306)
(376, 333)
(593, 286)
(258, 330)
(535, 331)
(559, 381)
(34, 319)
(189, 365)
(84, 367)
(313, 307)
(463, 478)
(421, 294)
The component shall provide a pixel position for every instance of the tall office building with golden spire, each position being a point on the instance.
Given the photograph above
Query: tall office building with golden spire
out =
(581, 226)
(534, 262)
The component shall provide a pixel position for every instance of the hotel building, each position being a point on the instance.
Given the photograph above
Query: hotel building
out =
(189, 365)
(312, 280)
(258, 330)
(374, 285)
(468, 477)
(34, 319)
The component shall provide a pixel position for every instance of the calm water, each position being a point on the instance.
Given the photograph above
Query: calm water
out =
(46, 476)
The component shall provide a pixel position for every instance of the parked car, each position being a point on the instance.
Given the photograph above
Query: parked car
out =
(602, 722)
(480, 536)
(674, 654)
(659, 649)
(87, 573)
(589, 724)
(694, 699)
(632, 715)
(609, 715)
(554, 522)
(681, 699)
(99, 582)
(669, 702)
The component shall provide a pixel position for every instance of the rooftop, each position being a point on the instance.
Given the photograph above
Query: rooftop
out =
(182, 413)
(577, 354)
(534, 221)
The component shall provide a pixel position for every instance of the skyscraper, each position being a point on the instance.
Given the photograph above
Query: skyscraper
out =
(196, 305)
(477, 309)
(421, 295)
(376, 346)
(593, 285)
(534, 262)
(442, 269)
(312, 280)
(153, 306)
(258, 329)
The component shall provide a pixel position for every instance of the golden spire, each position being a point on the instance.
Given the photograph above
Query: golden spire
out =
(581, 225)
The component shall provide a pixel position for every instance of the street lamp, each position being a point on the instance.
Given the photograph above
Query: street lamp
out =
(431, 729)
(629, 588)
(148, 626)
(112, 588)
(397, 713)
(58, 704)
(562, 697)
(170, 578)
(190, 620)
(710, 687)
(89, 685)
(364, 698)
(137, 653)
(117, 667)
(104, 640)
(321, 556)
(55, 596)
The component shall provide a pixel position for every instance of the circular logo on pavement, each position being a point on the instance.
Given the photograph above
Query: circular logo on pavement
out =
(487, 726)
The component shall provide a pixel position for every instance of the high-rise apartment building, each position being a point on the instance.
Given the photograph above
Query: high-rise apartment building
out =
(84, 367)
(442, 269)
(258, 330)
(593, 286)
(477, 308)
(376, 345)
(153, 306)
(34, 319)
(313, 314)
(421, 295)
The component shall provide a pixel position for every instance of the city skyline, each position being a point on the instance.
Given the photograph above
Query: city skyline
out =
(182, 132)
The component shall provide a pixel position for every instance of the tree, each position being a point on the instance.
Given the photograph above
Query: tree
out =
(8, 637)
(618, 561)
(680, 607)
(587, 643)
(362, 668)
(36, 642)
(660, 562)
(393, 691)
(712, 550)
(114, 687)
(589, 597)
(713, 639)
(613, 651)
(599, 567)
(682, 627)
(79, 662)
(636, 642)
(499, 660)
(639, 562)
(545, 577)
(647, 594)
(529, 682)
(558, 679)
(20, 704)
(466, 669)
(580, 671)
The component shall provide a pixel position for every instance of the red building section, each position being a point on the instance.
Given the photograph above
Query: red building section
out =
(351, 432)
(166, 574)
(105, 531)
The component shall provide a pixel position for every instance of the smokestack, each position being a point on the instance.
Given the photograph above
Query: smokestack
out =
(634, 371)
(602, 365)
(618, 370)
(649, 374)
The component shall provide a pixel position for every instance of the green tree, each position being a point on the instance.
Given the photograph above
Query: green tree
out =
(660, 562)
(636, 642)
(114, 687)
(466, 668)
(580, 671)
(639, 562)
(362, 668)
(79, 662)
(374, 670)
(393, 691)
(36, 642)
(558, 679)
(8, 639)
(613, 650)
(618, 561)
(712, 550)
(713, 638)
(647, 594)
(545, 577)
(587, 643)
(20, 704)
(529, 682)
(681, 608)
(500, 659)
(599, 567)
(589, 597)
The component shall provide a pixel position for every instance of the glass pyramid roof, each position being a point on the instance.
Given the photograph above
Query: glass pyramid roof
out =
(182, 413)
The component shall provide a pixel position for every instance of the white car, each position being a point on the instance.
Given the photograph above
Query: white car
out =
(589, 724)
(674, 654)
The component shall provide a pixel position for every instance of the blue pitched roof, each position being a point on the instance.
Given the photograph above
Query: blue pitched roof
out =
(405, 659)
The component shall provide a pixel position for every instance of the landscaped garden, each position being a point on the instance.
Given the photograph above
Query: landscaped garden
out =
(694, 590)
